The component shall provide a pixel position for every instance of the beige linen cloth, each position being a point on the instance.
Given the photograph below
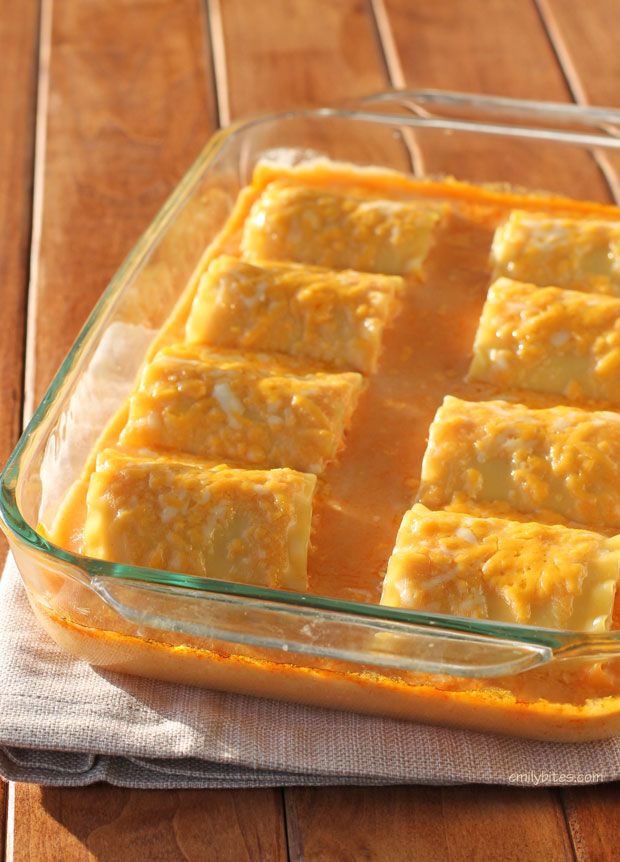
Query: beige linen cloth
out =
(63, 722)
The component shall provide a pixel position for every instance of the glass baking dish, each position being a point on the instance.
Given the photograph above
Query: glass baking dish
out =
(527, 681)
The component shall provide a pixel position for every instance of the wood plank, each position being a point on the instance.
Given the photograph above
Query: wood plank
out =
(586, 46)
(425, 823)
(480, 46)
(3, 818)
(18, 49)
(586, 40)
(593, 817)
(107, 824)
(485, 46)
(281, 54)
(129, 104)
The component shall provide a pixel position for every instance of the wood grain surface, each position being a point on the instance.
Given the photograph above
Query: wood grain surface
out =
(132, 91)
(19, 52)
(593, 818)
(584, 38)
(127, 103)
(110, 824)
(283, 53)
(498, 47)
(18, 49)
(425, 823)
(277, 54)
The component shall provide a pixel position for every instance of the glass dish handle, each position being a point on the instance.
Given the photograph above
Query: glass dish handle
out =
(297, 635)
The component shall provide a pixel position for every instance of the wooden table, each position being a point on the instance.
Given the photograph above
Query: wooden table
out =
(104, 105)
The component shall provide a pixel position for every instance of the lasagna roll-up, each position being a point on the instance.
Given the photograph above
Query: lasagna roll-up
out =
(335, 317)
(253, 409)
(491, 568)
(549, 340)
(580, 254)
(560, 459)
(340, 231)
(251, 526)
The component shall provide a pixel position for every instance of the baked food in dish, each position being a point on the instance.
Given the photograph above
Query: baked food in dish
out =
(580, 254)
(549, 340)
(251, 526)
(325, 227)
(268, 377)
(263, 410)
(261, 373)
(334, 317)
(361, 490)
(491, 568)
(563, 460)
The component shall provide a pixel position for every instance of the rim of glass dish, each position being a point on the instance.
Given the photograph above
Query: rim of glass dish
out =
(562, 640)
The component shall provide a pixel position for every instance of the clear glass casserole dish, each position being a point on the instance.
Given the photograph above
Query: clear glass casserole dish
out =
(304, 647)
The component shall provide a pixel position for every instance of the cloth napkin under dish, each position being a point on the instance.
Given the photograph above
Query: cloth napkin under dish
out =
(63, 722)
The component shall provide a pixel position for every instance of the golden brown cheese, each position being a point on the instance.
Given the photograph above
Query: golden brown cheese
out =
(256, 409)
(339, 231)
(490, 568)
(561, 459)
(251, 526)
(331, 316)
(549, 340)
(580, 254)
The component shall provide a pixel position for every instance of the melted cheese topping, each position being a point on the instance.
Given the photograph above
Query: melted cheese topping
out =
(251, 526)
(561, 460)
(549, 340)
(340, 231)
(248, 408)
(581, 254)
(363, 495)
(335, 317)
(489, 568)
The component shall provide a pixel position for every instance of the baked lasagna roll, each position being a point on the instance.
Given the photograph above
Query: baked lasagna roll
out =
(327, 315)
(251, 526)
(560, 459)
(549, 340)
(253, 409)
(491, 568)
(581, 254)
(341, 231)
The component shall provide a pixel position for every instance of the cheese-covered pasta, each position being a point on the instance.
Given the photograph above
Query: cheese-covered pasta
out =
(251, 526)
(341, 231)
(490, 568)
(580, 254)
(336, 317)
(549, 340)
(560, 459)
(257, 409)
